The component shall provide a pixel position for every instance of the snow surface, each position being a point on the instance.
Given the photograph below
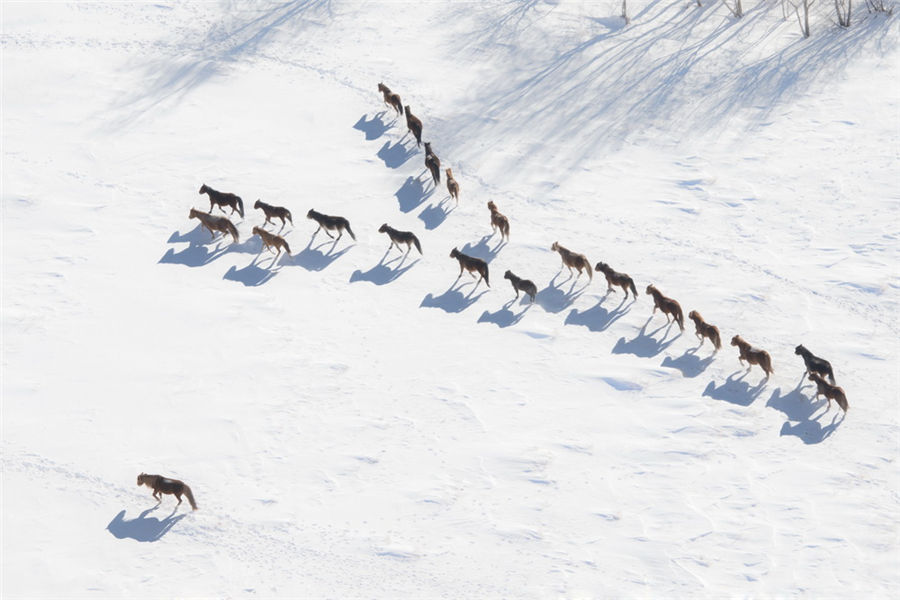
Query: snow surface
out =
(354, 424)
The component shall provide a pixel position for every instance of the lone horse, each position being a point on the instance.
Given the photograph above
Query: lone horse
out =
(163, 485)
(223, 199)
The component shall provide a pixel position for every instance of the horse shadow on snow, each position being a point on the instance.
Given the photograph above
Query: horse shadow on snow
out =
(374, 128)
(803, 422)
(506, 317)
(735, 390)
(453, 300)
(644, 345)
(198, 252)
(382, 273)
(143, 528)
(554, 299)
(598, 318)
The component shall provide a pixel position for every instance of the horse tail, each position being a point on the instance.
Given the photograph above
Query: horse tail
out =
(240, 205)
(287, 214)
(350, 231)
(416, 242)
(590, 271)
(190, 497)
(841, 399)
(679, 316)
(716, 339)
(286, 247)
(830, 374)
(486, 279)
(232, 230)
(631, 285)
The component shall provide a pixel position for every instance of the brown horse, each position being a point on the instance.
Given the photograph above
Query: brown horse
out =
(705, 330)
(753, 356)
(162, 485)
(668, 306)
(613, 277)
(328, 222)
(390, 98)
(433, 163)
(524, 285)
(498, 221)
(414, 124)
(271, 212)
(831, 392)
(222, 199)
(270, 240)
(472, 265)
(573, 259)
(452, 186)
(214, 223)
(401, 237)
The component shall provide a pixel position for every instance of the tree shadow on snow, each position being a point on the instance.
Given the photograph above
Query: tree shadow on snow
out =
(554, 299)
(801, 413)
(598, 318)
(735, 389)
(644, 344)
(143, 528)
(374, 128)
(453, 300)
(689, 363)
(506, 317)
(381, 273)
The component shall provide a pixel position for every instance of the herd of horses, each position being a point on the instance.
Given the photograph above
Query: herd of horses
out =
(818, 370)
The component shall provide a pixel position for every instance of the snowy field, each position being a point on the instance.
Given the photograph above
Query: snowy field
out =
(355, 423)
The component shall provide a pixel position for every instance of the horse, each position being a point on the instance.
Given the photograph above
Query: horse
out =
(498, 221)
(163, 485)
(329, 222)
(831, 392)
(472, 265)
(705, 330)
(223, 199)
(520, 284)
(270, 240)
(433, 163)
(573, 259)
(401, 237)
(390, 98)
(214, 223)
(668, 306)
(814, 363)
(452, 186)
(274, 211)
(753, 356)
(414, 124)
(613, 277)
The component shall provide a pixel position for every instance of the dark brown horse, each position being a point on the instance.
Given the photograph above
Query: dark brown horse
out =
(519, 284)
(667, 305)
(814, 364)
(414, 124)
(433, 163)
(401, 237)
(163, 485)
(271, 212)
(613, 277)
(222, 199)
(328, 222)
(390, 98)
(472, 265)
(831, 392)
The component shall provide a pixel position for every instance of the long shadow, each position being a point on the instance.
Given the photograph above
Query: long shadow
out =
(735, 390)
(482, 249)
(689, 363)
(644, 344)
(554, 299)
(195, 236)
(254, 274)
(453, 300)
(412, 193)
(800, 411)
(198, 252)
(381, 273)
(395, 156)
(143, 528)
(435, 214)
(505, 317)
(374, 128)
(313, 259)
(598, 318)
